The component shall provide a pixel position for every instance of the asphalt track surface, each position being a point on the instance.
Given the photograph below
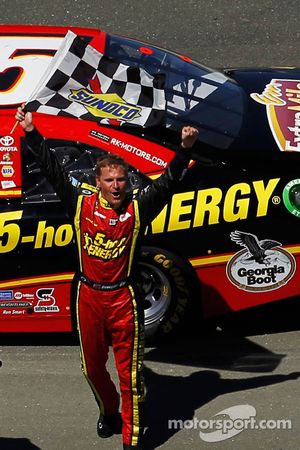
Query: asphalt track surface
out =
(218, 33)
(47, 405)
(45, 402)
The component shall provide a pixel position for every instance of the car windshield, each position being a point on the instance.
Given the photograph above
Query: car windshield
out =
(195, 95)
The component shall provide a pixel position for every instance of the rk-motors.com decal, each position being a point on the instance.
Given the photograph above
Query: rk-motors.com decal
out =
(262, 265)
(282, 100)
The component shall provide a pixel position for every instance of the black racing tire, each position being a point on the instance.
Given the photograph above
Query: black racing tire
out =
(168, 289)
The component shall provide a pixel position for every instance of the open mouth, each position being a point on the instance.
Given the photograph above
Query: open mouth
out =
(116, 195)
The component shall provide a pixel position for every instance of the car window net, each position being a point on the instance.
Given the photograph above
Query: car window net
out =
(79, 160)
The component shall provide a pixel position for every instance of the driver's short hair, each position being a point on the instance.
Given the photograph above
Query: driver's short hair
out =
(110, 160)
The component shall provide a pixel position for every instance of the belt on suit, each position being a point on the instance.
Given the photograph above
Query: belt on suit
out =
(105, 286)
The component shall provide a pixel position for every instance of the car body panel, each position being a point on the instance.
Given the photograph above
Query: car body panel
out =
(240, 181)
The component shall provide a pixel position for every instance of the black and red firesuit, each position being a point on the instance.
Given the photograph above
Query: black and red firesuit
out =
(108, 310)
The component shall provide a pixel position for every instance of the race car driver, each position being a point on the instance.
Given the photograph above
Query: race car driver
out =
(109, 223)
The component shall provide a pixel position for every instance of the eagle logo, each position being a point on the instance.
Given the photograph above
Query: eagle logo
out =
(258, 251)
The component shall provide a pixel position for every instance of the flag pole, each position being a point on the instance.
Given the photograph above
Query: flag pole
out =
(14, 127)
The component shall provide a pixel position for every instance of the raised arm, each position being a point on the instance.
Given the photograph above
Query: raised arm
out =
(48, 162)
(154, 197)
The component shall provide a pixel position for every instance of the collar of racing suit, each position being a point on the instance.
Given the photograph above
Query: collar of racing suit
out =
(103, 202)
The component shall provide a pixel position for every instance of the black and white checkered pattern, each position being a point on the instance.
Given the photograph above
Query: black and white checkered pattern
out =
(75, 64)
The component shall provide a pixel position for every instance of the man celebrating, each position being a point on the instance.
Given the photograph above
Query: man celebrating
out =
(109, 223)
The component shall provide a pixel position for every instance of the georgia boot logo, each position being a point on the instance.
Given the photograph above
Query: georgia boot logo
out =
(261, 266)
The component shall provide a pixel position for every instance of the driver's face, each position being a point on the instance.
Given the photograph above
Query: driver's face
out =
(112, 183)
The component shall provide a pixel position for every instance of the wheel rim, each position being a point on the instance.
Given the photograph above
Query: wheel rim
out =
(157, 295)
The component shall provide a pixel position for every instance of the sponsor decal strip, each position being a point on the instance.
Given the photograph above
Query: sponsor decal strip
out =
(37, 280)
(13, 193)
(10, 167)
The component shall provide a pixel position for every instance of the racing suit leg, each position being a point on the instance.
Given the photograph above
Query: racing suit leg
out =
(114, 317)
(127, 330)
(94, 346)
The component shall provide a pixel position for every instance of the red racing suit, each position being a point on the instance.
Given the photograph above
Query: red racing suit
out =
(108, 308)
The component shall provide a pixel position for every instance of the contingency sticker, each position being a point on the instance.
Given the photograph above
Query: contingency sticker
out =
(10, 168)
(261, 266)
(282, 100)
(291, 197)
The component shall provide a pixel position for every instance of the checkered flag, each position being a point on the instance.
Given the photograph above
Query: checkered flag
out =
(127, 94)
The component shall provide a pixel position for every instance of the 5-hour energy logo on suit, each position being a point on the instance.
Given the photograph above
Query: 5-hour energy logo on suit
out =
(103, 247)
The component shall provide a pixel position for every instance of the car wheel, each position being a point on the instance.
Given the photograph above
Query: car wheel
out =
(167, 291)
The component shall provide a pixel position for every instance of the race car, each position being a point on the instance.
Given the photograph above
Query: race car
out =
(227, 241)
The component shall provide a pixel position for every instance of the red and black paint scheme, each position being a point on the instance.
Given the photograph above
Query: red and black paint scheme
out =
(228, 239)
